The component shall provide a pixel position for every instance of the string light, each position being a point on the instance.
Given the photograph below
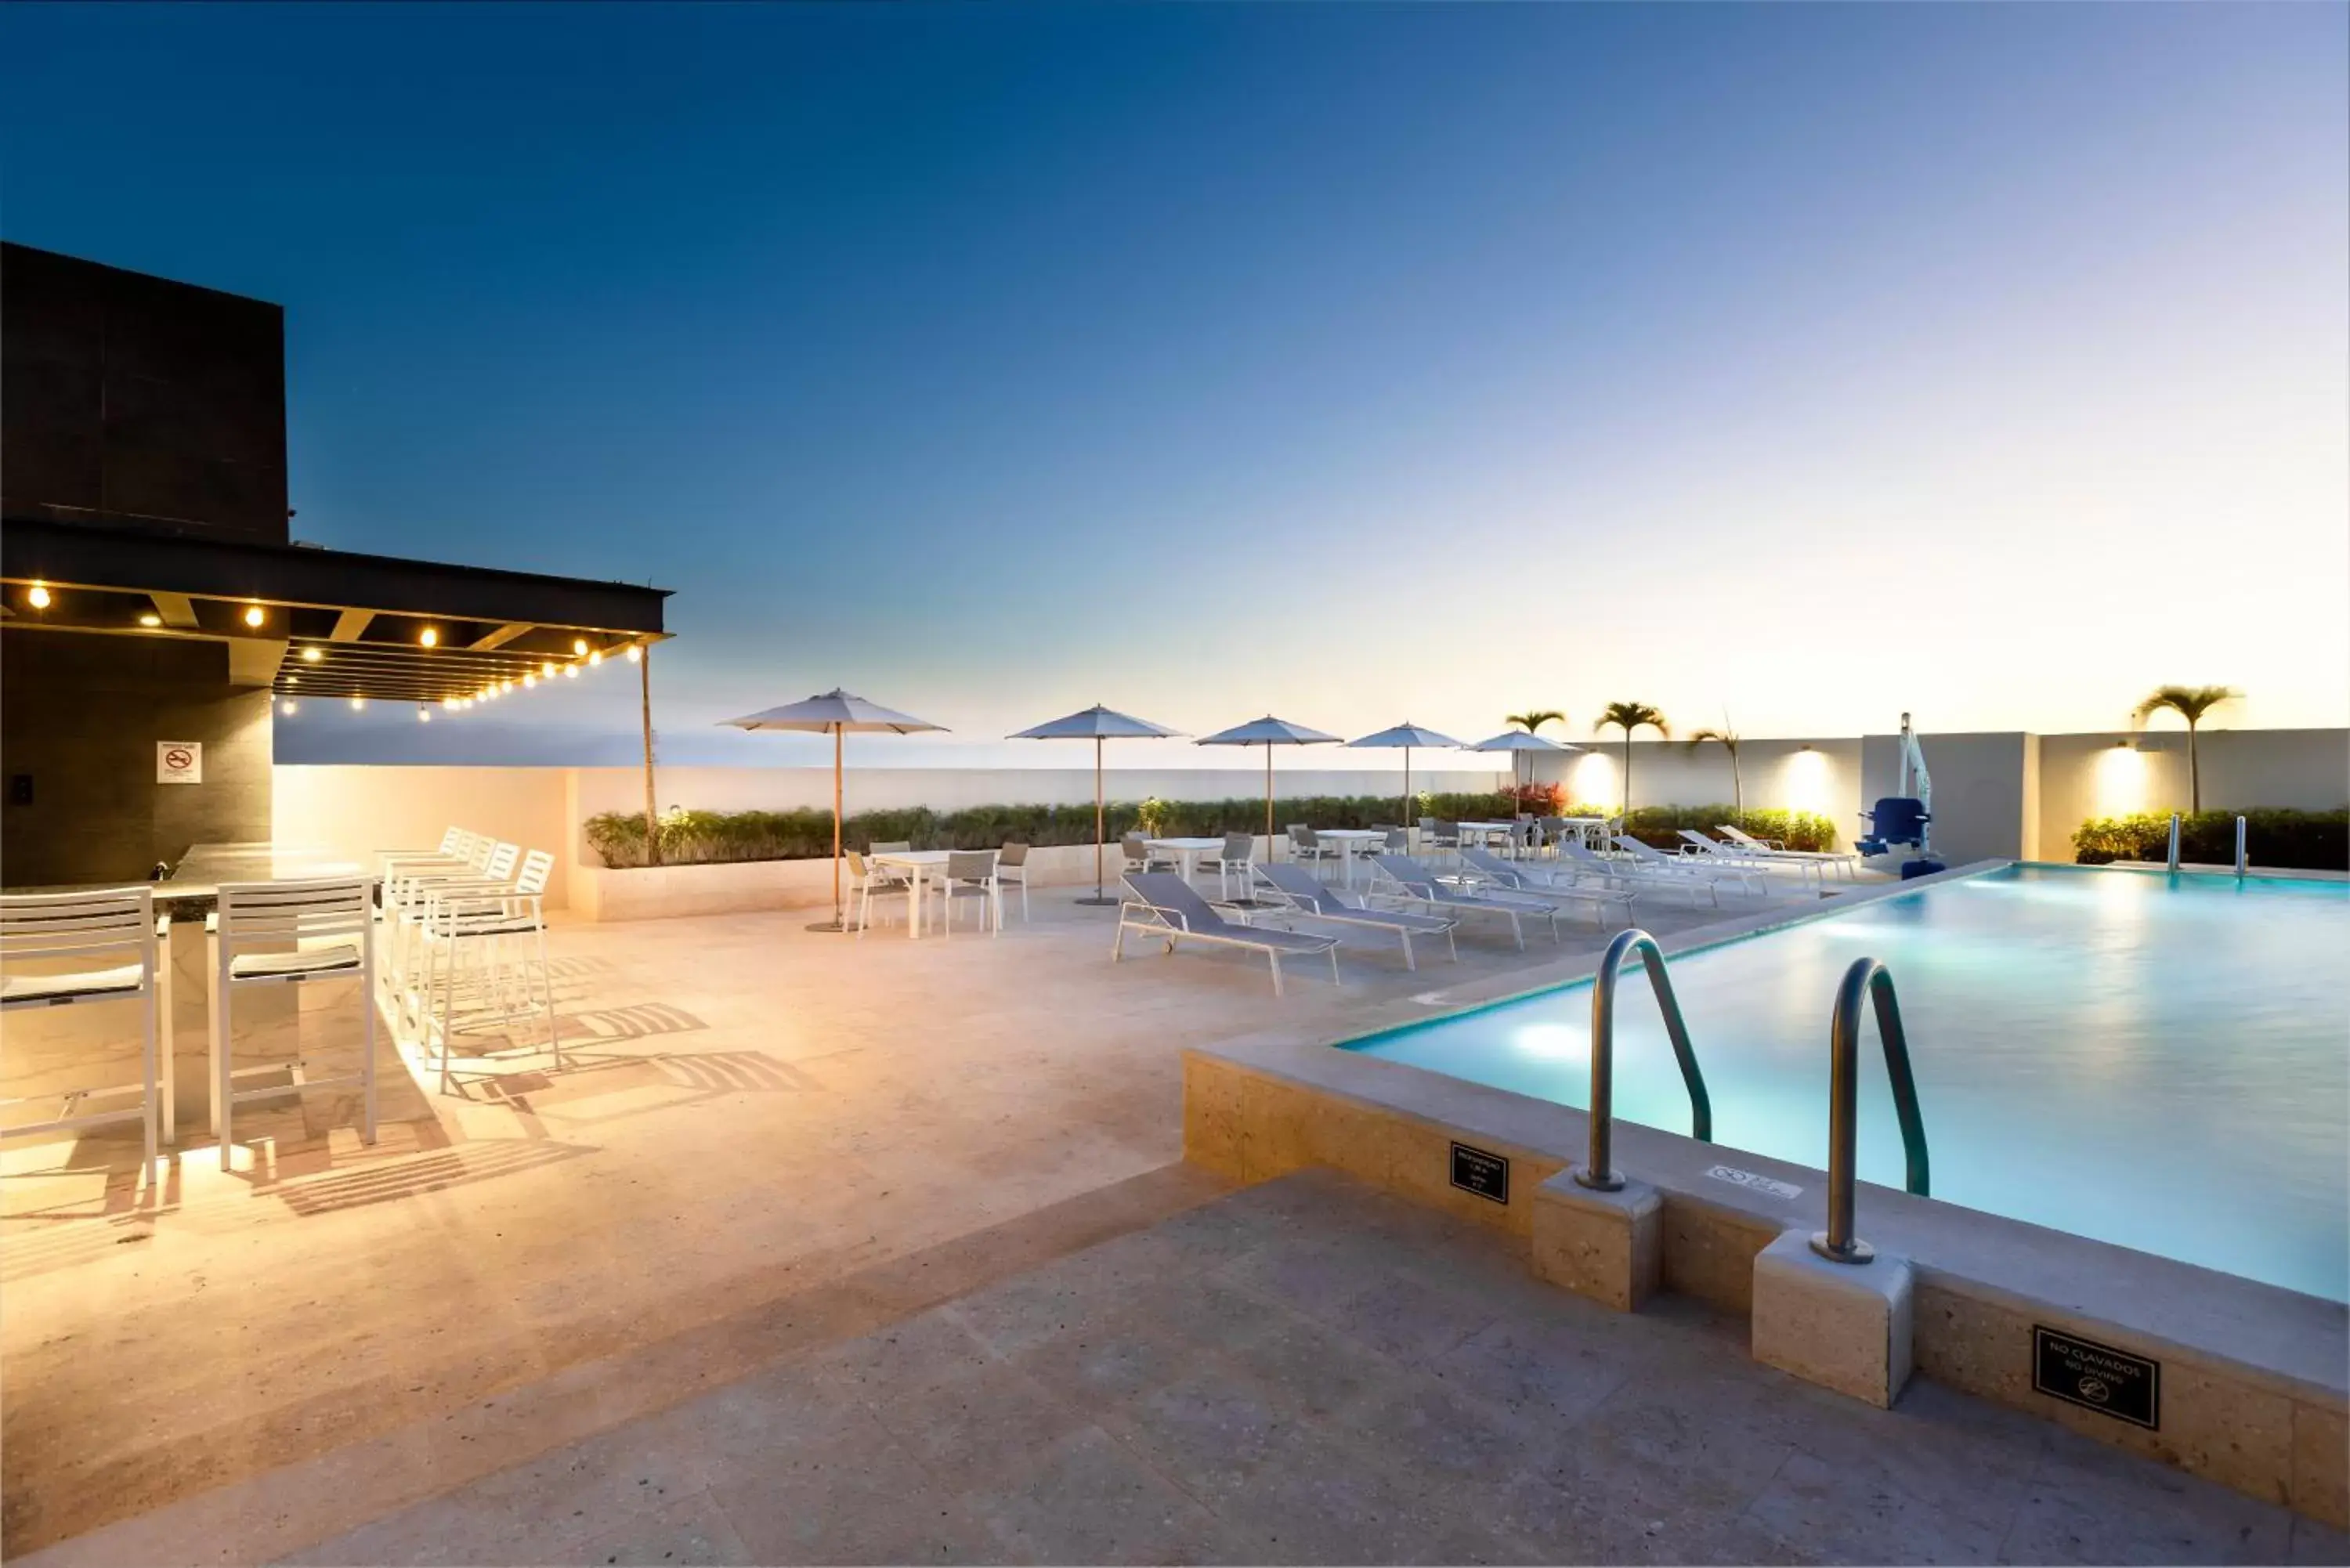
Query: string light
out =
(450, 703)
(635, 653)
(358, 705)
(429, 636)
(579, 646)
(255, 615)
(38, 595)
(529, 679)
(596, 657)
(151, 618)
(548, 669)
(288, 706)
(571, 671)
(423, 714)
(311, 656)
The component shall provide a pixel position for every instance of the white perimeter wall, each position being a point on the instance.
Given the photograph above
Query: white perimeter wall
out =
(1994, 795)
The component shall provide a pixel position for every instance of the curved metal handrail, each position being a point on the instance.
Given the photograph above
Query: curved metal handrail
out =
(1837, 1243)
(1599, 1175)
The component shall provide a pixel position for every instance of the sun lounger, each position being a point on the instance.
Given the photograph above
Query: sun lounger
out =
(1496, 873)
(1633, 873)
(1842, 859)
(1401, 877)
(1163, 907)
(1655, 860)
(1297, 893)
(1739, 857)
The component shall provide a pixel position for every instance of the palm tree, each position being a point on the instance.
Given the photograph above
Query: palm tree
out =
(1531, 722)
(1728, 738)
(2191, 703)
(1628, 717)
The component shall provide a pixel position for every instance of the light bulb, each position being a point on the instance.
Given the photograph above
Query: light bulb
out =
(255, 615)
(596, 657)
(288, 706)
(530, 680)
(571, 671)
(424, 715)
(151, 618)
(579, 645)
(548, 669)
(635, 653)
(311, 656)
(358, 705)
(429, 636)
(38, 598)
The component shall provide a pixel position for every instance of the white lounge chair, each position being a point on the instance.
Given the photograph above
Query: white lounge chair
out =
(1486, 868)
(1708, 851)
(1163, 907)
(1627, 873)
(1842, 859)
(1401, 877)
(1297, 893)
(1655, 860)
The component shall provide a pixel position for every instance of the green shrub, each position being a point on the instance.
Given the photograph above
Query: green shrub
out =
(1659, 825)
(2289, 840)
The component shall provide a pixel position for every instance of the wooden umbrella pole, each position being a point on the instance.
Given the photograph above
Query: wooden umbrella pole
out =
(838, 731)
(1268, 800)
(653, 815)
(1100, 819)
(1406, 793)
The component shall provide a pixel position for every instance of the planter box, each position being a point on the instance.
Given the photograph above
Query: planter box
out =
(668, 892)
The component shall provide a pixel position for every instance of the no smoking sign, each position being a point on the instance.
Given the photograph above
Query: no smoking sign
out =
(179, 762)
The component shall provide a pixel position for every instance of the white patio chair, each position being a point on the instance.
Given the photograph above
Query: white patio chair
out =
(287, 933)
(1307, 849)
(1136, 848)
(1237, 858)
(502, 931)
(1011, 867)
(970, 874)
(867, 882)
(114, 942)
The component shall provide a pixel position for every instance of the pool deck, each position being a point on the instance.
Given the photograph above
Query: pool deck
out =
(758, 1119)
(1302, 1372)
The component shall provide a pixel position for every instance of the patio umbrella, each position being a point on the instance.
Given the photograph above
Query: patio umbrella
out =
(1519, 741)
(1268, 733)
(1097, 724)
(1406, 735)
(839, 713)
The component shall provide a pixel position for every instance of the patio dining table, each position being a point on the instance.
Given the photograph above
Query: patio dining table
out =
(918, 864)
(1348, 840)
(1491, 832)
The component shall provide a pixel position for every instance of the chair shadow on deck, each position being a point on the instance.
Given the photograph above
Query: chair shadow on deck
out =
(413, 1176)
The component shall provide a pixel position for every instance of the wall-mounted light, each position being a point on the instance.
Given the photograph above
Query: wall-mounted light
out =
(429, 638)
(255, 615)
(311, 656)
(38, 595)
(151, 618)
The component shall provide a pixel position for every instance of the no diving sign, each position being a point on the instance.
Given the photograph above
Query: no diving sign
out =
(179, 762)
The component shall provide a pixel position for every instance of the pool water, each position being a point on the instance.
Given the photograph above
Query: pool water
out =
(2159, 1062)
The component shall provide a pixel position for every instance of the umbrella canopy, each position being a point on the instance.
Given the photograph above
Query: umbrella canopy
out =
(1097, 724)
(1519, 741)
(1406, 735)
(1268, 733)
(839, 713)
(835, 711)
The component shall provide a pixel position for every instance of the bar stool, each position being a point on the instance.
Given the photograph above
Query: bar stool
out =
(488, 920)
(115, 940)
(256, 938)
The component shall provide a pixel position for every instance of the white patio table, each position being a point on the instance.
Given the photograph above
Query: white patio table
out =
(1187, 852)
(1491, 832)
(1585, 828)
(1348, 840)
(917, 864)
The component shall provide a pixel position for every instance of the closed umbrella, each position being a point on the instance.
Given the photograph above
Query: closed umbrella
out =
(1268, 733)
(1406, 735)
(1519, 741)
(1097, 724)
(839, 713)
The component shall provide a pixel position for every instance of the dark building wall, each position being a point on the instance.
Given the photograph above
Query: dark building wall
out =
(138, 398)
(80, 714)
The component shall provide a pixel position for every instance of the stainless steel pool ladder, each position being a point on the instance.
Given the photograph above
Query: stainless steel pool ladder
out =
(1837, 1243)
(1599, 1173)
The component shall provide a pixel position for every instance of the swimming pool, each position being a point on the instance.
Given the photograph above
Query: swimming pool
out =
(2159, 1062)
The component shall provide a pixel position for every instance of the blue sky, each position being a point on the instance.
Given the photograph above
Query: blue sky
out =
(1357, 363)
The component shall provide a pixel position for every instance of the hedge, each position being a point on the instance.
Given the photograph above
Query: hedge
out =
(2286, 839)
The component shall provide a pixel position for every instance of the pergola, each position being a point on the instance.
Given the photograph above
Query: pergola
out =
(318, 623)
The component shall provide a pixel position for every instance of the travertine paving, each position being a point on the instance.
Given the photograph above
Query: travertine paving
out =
(1308, 1372)
(754, 1116)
